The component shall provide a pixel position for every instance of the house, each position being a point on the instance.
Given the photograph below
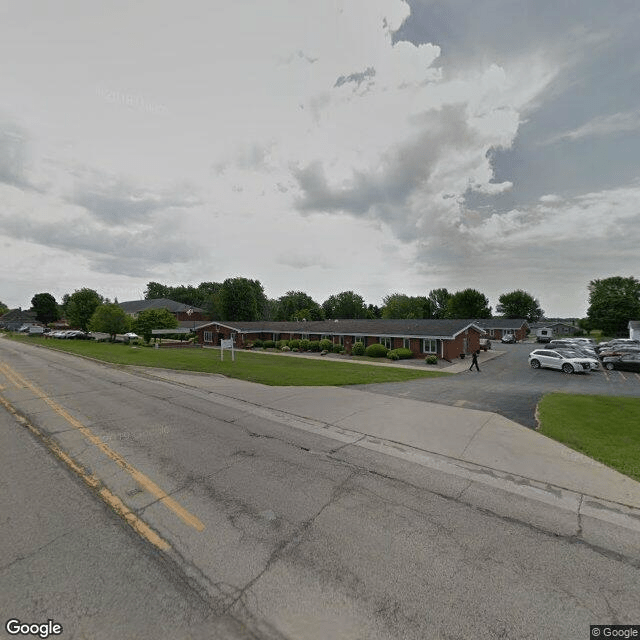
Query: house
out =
(447, 339)
(184, 313)
(497, 328)
(16, 318)
(634, 329)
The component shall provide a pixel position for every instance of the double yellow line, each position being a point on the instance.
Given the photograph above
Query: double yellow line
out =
(145, 482)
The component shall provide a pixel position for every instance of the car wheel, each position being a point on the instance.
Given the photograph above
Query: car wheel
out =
(535, 364)
(567, 368)
(608, 366)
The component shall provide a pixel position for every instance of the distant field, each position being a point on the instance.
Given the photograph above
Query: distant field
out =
(604, 428)
(267, 369)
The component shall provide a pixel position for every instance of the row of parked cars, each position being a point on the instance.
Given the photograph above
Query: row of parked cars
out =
(581, 355)
(69, 334)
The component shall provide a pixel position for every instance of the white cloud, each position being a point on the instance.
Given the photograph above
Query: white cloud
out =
(623, 122)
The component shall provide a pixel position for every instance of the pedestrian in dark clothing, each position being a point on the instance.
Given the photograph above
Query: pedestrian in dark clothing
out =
(474, 360)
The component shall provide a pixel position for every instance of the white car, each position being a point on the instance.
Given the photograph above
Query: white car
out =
(563, 361)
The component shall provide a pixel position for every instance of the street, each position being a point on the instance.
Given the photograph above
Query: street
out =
(138, 508)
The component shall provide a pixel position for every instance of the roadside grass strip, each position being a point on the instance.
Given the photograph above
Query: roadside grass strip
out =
(605, 428)
(273, 370)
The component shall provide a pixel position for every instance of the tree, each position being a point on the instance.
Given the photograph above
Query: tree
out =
(612, 303)
(3, 308)
(439, 299)
(468, 303)
(519, 304)
(156, 290)
(404, 307)
(153, 319)
(345, 305)
(81, 305)
(291, 305)
(111, 319)
(242, 299)
(46, 307)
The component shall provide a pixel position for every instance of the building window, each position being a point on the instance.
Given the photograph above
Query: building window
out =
(387, 342)
(275, 337)
(406, 343)
(341, 341)
(429, 346)
(208, 336)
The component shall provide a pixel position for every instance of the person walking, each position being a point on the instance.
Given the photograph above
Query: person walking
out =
(474, 360)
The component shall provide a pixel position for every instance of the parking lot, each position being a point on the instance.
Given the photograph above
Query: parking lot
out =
(507, 385)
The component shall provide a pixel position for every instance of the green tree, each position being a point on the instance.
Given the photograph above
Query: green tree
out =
(345, 305)
(46, 307)
(3, 308)
(242, 299)
(612, 303)
(404, 307)
(519, 304)
(293, 302)
(156, 290)
(81, 305)
(110, 318)
(468, 303)
(153, 319)
(439, 300)
(374, 312)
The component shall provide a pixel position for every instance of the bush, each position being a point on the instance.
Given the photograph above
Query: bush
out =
(304, 345)
(314, 345)
(295, 349)
(285, 348)
(282, 343)
(294, 344)
(357, 349)
(392, 355)
(326, 345)
(338, 348)
(376, 351)
(269, 344)
(258, 344)
(431, 359)
(403, 354)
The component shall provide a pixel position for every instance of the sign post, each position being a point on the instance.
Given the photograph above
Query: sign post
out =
(227, 344)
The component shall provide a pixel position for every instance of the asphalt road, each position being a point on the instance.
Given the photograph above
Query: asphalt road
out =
(241, 521)
(508, 386)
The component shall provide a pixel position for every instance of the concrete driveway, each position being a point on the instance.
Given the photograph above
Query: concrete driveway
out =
(508, 386)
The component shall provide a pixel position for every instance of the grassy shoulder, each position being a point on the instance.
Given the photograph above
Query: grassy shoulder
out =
(605, 428)
(274, 370)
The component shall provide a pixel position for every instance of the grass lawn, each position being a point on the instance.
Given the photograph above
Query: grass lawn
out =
(256, 367)
(605, 428)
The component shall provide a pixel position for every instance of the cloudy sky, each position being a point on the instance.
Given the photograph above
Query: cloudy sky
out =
(378, 146)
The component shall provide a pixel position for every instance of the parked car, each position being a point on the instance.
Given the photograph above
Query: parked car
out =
(553, 359)
(485, 344)
(508, 338)
(576, 352)
(626, 362)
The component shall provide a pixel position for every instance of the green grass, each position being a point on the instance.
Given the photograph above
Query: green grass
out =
(267, 369)
(605, 428)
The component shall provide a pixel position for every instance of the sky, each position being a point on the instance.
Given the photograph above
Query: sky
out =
(379, 146)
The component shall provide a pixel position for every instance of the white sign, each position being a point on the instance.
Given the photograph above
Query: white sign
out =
(227, 344)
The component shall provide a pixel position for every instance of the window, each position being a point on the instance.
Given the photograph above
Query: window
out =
(360, 339)
(305, 336)
(406, 343)
(387, 342)
(275, 337)
(341, 341)
(208, 336)
(429, 346)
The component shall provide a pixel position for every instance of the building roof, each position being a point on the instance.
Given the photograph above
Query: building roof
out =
(502, 323)
(400, 328)
(136, 306)
(17, 316)
(634, 324)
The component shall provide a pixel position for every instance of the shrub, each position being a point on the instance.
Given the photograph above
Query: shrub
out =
(304, 345)
(314, 345)
(269, 344)
(326, 345)
(338, 348)
(376, 351)
(294, 344)
(357, 349)
(258, 344)
(295, 349)
(285, 348)
(431, 359)
(282, 343)
(392, 355)
(402, 353)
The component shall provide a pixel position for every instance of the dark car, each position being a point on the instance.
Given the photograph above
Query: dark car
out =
(626, 362)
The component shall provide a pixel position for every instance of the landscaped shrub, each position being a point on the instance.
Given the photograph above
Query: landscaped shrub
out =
(294, 344)
(314, 345)
(326, 345)
(357, 349)
(402, 353)
(392, 355)
(285, 348)
(304, 345)
(258, 344)
(431, 359)
(282, 343)
(269, 344)
(376, 351)
(338, 348)
(295, 349)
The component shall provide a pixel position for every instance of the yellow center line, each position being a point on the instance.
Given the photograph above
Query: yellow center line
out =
(9, 377)
(138, 476)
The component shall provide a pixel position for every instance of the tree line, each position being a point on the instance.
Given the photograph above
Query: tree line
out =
(612, 303)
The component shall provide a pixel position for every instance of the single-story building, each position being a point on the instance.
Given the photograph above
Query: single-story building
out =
(447, 339)
(497, 328)
(634, 329)
(182, 312)
(16, 318)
